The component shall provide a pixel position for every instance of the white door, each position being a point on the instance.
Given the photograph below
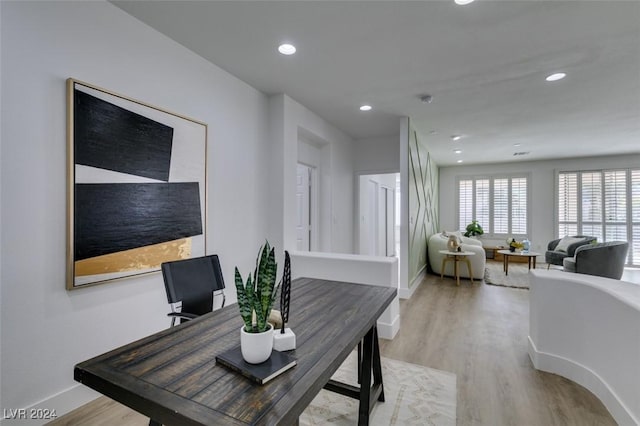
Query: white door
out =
(381, 223)
(390, 222)
(303, 207)
(372, 188)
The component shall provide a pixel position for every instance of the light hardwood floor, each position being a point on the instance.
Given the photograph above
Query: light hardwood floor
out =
(477, 331)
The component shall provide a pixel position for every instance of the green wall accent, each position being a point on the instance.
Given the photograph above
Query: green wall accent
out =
(423, 202)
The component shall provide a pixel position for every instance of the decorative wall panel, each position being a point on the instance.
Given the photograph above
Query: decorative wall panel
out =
(423, 202)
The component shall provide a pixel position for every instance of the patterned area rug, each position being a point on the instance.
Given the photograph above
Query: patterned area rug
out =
(518, 274)
(414, 395)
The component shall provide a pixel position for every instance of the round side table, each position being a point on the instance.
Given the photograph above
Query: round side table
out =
(456, 257)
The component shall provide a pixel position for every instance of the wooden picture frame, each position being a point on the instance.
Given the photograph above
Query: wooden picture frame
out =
(137, 192)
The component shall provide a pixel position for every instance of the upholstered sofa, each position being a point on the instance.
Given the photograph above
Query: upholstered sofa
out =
(602, 259)
(558, 249)
(438, 242)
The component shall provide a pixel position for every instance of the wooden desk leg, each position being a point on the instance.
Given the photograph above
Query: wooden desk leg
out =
(444, 262)
(456, 270)
(367, 393)
(377, 365)
(469, 269)
(506, 264)
(370, 364)
(360, 362)
(534, 262)
(529, 261)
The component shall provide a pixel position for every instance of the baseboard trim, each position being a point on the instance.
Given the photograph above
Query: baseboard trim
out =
(62, 402)
(389, 331)
(406, 293)
(583, 376)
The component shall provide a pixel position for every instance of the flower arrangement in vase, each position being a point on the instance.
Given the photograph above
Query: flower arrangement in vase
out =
(514, 244)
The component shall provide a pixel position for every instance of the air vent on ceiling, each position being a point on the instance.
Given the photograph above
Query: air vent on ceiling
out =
(521, 153)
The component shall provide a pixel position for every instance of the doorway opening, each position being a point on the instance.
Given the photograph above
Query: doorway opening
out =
(379, 211)
(306, 208)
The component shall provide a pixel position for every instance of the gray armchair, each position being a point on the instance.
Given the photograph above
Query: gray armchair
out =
(555, 257)
(602, 259)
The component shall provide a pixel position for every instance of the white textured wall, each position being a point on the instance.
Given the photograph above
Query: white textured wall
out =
(587, 329)
(2, 105)
(378, 155)
(372, 270)
(46, 329)
(336, 225)
(542, 188)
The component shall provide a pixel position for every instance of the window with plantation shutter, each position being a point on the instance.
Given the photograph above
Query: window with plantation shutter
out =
(519, 206)
(498, 203)
(604, 204)
(592, 204)
(465, 199)
(482, 202)
(501, 206)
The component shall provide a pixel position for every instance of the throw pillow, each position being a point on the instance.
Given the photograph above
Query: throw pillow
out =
(564, 243)
(457, 234)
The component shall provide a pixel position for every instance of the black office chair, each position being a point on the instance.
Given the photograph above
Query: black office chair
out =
(193, 284)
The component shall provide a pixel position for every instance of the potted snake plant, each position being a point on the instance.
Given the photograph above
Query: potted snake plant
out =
(255, 300)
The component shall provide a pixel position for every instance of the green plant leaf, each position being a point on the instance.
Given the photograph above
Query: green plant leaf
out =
(261, 294)
(244, 305)
(251, 298)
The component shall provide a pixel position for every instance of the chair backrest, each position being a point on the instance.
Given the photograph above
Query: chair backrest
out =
(602, 259)
(192, 282)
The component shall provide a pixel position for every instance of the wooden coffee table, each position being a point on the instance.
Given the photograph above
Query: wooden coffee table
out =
(506, 254)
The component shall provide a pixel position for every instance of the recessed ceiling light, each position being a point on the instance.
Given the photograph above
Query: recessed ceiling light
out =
(459, 161)
(287, 49)
(365, 108)
(456, 137)
(556, 76)
(458, 151)
(516, 144)
(463, 2)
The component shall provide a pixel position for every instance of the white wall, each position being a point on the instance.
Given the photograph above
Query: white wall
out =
(46, 329)
(371, 270)
(587, 329)
(291, 120)
(377, 155)
(2, 105)
(542, 188)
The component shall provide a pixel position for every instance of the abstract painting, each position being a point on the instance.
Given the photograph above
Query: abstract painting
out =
(137, 186)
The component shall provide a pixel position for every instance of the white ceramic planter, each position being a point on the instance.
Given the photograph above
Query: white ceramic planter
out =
(256, 347)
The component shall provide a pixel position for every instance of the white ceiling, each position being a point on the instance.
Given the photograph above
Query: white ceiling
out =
(484, 64)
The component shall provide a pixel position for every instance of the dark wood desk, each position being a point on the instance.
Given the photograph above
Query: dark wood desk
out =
(172, 376)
